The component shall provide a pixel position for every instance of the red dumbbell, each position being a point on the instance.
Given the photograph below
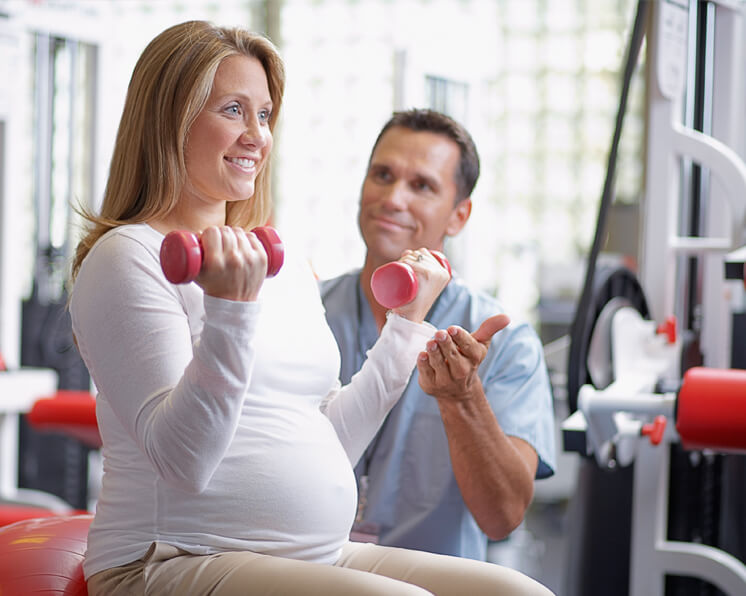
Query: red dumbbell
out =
(181, 254)
(395, 284)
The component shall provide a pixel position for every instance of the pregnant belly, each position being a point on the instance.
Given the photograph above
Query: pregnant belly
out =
(285, 494)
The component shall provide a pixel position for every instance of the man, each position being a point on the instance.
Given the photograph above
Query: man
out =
(455, 461)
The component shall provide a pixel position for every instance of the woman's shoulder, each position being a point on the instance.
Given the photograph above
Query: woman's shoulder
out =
(124, 245)
(128, 237)
(139, 233)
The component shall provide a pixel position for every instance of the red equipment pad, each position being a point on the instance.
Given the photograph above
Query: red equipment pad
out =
(711, 409)
(69, 412)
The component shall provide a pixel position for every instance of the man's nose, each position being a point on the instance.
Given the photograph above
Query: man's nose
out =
(396, 196)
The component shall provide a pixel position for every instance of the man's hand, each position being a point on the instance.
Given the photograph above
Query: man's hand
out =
(448, 367)
(490, 467)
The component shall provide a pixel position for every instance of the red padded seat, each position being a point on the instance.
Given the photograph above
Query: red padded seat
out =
(70, 412)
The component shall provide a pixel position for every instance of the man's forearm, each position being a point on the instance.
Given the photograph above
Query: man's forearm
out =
(495, 472)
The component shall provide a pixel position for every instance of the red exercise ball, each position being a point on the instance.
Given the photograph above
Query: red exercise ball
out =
(44, 556)
(11, 513)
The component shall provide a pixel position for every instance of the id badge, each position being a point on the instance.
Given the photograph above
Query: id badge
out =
(364, 531)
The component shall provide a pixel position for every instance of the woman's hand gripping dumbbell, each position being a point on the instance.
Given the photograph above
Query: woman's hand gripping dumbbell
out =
(183, 255)
(396, 285)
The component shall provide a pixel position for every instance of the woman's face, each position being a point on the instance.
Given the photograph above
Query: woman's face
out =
(230, 140)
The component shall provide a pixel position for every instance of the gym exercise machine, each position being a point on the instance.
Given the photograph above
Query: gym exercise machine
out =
(652, 376)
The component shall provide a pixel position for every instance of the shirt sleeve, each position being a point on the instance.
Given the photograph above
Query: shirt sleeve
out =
(516, 382)
(358, 409)
(179, 402)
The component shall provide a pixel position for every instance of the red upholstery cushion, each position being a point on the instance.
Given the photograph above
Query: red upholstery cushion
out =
(69, 412)
(44, 556)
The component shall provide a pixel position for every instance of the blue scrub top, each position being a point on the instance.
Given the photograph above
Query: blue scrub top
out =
(412, 495)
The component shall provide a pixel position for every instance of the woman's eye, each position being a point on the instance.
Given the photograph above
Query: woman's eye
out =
(234, 109)
(264, 115)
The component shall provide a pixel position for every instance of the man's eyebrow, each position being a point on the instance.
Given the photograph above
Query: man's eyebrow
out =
(430, 180)
(379, 167)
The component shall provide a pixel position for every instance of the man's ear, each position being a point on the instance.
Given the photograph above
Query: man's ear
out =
(459, 217)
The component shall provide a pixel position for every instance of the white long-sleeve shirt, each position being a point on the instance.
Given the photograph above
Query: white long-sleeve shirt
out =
(223, 423)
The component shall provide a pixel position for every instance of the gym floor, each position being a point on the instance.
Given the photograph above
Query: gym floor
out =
(538, 546)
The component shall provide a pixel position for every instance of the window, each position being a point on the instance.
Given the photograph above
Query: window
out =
(536, 82)
(62, 124)
(447, 96)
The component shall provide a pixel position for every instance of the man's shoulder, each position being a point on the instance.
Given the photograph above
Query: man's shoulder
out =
(460, 287)
(341, 283)
(471, 302)
(469, 307)
(339, 292)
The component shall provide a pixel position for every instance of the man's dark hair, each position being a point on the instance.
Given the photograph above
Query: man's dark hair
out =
(423, 120)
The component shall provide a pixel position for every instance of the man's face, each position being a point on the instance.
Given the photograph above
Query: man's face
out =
(409, 194)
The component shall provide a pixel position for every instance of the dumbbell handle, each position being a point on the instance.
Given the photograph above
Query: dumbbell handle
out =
(395, 284)
(182, 254)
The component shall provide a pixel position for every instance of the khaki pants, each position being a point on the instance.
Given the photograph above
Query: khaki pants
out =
(363, 570)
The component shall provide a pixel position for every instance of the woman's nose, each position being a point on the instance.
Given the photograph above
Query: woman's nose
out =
(255, 134)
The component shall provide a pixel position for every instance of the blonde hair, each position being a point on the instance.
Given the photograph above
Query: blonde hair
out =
(169, 87)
